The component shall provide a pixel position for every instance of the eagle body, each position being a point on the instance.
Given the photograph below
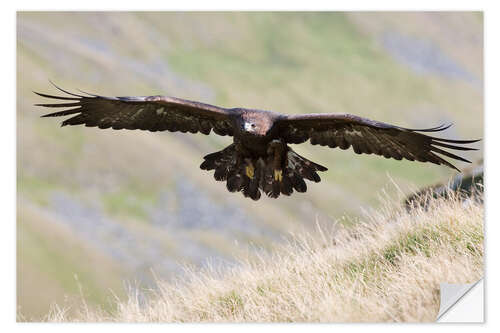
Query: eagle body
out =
(259, 159)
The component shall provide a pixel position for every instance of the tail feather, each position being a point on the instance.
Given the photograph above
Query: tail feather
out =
(234, 182)
(221, 173)
(298, 183)
(267, 180)
(286, 186)
(252, 190)
(251, 175)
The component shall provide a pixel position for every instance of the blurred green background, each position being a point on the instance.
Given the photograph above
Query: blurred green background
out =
(100, 210)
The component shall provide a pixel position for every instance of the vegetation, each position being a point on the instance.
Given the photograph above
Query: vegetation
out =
(387, 267)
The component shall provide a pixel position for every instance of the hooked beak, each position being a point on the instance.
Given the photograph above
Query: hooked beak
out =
(248, 127)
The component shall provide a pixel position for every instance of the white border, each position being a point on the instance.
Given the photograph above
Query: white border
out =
(268, 5)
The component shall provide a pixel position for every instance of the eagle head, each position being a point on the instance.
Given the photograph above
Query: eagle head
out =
(256, 123)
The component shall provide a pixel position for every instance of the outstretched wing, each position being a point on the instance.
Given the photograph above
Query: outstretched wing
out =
(370, 137)
(152, 113)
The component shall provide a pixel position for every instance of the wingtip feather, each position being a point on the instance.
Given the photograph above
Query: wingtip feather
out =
(64, 91)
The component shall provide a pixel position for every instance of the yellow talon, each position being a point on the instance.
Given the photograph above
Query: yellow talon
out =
(249, 169)
(278, 175)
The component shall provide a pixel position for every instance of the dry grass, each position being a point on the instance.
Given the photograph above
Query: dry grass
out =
(386, 268)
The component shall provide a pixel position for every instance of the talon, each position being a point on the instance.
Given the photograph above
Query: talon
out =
(278, 175)
(249, 170)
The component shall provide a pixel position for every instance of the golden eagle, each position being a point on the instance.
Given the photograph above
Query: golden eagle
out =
(259, 157)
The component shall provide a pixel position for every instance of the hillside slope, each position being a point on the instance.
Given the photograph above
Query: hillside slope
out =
(386, 268)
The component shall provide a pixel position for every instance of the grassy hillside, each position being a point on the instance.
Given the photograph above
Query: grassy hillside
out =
(386, 268)
(131, 202)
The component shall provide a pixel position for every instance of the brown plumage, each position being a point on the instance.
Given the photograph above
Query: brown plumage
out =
(259, 159)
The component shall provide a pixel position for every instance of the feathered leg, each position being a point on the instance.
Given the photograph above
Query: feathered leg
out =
(286, 171)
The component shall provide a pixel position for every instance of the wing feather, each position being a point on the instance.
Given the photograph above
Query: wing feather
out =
(151, 113)
(367, 136)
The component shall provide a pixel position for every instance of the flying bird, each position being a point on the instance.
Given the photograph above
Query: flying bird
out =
(259, 159)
